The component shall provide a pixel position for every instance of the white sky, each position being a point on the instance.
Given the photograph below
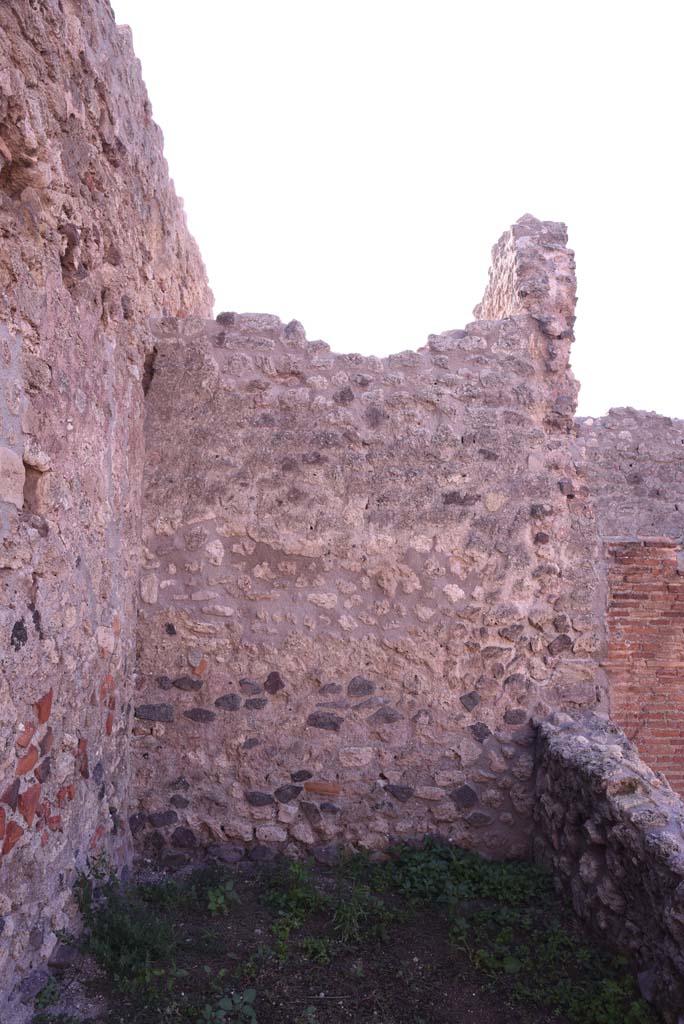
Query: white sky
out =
(350, 163)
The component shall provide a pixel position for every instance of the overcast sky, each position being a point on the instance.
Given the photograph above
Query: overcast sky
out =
(350, 163)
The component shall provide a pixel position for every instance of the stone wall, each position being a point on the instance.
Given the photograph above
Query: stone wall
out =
(93, 242)
(361, 577)
(613, 833)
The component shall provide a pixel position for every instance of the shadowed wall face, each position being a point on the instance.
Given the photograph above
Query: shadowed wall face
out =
(354, 590)
(93, 242)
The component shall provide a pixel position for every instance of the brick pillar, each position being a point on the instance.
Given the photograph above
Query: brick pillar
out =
(645, 651)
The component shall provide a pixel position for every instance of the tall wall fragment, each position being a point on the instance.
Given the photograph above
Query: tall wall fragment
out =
(93, 241)
(358, 578)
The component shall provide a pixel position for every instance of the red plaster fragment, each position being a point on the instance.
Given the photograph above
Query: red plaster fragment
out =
(55, 823)
(25, 736)
(26, 763)
(82, 758)
(12, 837)
(96, 837)
(43, 707)
(109, 724)
(3, 818)
(28, 803)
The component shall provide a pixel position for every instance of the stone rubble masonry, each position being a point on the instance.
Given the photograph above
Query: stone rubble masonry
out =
(94, 241)
(362, 569)
(359, 580)
(612, 831)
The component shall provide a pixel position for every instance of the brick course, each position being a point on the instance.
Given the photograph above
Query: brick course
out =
(644, 658)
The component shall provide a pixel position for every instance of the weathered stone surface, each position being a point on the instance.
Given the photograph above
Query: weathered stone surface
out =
(94, 242)
(154, 713)
(618, 856)
(228, 702)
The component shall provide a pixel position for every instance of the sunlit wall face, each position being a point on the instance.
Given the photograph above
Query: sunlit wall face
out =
(351, 164)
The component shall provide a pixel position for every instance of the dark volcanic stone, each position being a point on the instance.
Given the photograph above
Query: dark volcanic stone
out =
(326, 853)
(301, 776)
(179, 801)
(560, 644)
(284, 794)
(274, 683)
(329, 808)
(170, 628)
(261, 854)
(401, 793)
(478, 819)
(359, 686)
(187, 683)
(200, 715)
(480, 731)
(98, 773)
(515, 716)
(464, 796)
(251, 743)
(249, 686)
(470, 700)
(64, 955)
(461, 498)
(256, 703)
(228, 702)
(154, 713)
(229, 853)
(160, 819)
(164, 682)
(255, 798)
(138, 821)
(10, 795)
(325, 720)
(19, 635)
(385, 716)
(43, 770)
(184, 837)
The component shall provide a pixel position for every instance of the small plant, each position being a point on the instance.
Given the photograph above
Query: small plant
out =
(316, 949)
(236, 1009)
(48, 995)
(309, 1016)
(291, 890)
(220, 898)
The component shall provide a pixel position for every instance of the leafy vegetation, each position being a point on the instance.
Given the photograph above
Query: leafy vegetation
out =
(400, 942)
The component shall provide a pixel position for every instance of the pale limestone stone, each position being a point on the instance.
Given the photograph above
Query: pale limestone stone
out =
(215, 552)
(356, 757)
(12, 476)
(322, 600)
(454, 593)
(149, 588)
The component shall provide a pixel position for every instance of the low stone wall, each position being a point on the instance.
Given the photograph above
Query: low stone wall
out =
(612, 831)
